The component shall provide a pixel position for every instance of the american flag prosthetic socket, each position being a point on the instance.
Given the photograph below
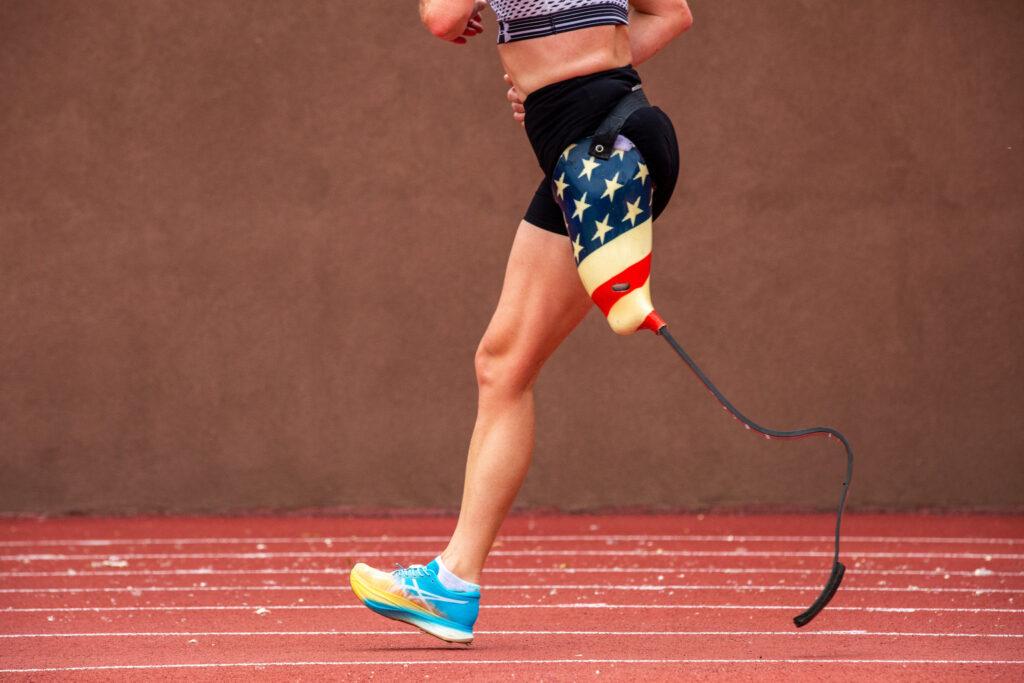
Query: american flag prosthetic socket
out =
(607, 209)
(605, 197)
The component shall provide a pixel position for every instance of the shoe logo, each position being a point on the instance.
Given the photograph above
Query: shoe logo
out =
(421, 593)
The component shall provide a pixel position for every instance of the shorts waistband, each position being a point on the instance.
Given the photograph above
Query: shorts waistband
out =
(561, 88)
(562, 113)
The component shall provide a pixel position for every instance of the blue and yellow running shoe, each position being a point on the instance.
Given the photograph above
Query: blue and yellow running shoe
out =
(416, 596)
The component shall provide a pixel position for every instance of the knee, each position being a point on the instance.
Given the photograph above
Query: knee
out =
(503, 368)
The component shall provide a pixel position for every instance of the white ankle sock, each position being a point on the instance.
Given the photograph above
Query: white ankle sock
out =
(452, 582)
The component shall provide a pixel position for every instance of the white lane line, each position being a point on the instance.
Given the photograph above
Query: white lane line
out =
(938, 572)
(405, 552)
(571, 538)
(566, 605)
(247, 634)
(506, 662)
(653, 587)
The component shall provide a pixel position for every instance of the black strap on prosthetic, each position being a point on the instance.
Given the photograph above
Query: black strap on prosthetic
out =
(838, 569)
(604, 138)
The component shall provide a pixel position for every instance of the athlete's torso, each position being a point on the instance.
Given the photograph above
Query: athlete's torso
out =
(538, 61)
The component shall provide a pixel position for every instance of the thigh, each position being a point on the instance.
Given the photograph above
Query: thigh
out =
(542, 299)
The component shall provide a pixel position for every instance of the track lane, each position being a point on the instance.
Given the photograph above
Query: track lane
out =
(655, 597)
(177, 580)
(348, 616)
(867, 671)
(951, 525)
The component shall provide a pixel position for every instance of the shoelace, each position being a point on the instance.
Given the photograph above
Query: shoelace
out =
(412, 571)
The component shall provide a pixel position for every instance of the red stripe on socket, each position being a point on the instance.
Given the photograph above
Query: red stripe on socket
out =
(636, 275)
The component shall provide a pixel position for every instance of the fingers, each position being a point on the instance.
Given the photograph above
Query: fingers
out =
(513, 92)
(515, 101)
(472, 28)
(512, 95)
(475, 25)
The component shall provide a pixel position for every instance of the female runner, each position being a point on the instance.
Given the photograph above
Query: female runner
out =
(568, 63)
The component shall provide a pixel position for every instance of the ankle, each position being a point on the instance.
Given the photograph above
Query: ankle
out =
(451, 563)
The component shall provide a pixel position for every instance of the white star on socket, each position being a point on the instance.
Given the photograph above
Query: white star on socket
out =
(611, 187)
(588, 168)
(632, 211)
(581, 206)
(561, 185)
(602, 229)
(641, 174)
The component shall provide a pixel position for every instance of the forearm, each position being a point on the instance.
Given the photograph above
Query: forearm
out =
(649, 33)
(446, 19)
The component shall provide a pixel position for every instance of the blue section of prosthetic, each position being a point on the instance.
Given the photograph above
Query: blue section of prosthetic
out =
(600, 199)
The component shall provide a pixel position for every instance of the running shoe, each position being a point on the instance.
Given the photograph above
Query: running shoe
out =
(416, 596)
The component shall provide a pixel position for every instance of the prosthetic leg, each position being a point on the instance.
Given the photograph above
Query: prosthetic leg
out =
(604, 190)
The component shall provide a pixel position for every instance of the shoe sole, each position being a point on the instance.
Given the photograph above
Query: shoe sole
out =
(376, 600)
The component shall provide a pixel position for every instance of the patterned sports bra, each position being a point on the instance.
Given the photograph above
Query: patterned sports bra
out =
(525, 19)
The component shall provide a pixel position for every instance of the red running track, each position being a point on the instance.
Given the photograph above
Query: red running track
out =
(687, 597)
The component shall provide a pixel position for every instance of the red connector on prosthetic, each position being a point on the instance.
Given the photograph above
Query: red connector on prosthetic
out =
(652, 322)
